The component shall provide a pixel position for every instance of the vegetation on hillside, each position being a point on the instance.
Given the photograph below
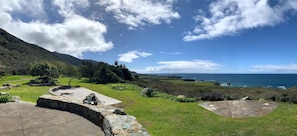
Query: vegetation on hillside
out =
(102, 73)
(15, 54)
(21, 58)
(211, 91)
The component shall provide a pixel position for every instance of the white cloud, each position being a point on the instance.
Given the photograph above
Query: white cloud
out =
(176, 53)
(194, 66)
(67, 8)
(73, 35)
(292, 68)
(228, 17)
(131, 55)
(136, 13)
(172, 53)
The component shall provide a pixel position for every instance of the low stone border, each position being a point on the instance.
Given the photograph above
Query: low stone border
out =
(113, 121)
(8, 86)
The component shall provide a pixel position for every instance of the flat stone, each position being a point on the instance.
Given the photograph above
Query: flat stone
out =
(240, 108)
(81, 93)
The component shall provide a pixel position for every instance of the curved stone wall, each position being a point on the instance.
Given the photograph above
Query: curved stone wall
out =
(113, 121)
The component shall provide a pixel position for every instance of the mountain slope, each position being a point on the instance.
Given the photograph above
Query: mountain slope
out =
(69, 59)
(16, 55)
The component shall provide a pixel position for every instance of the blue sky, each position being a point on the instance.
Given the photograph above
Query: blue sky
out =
(163, 36)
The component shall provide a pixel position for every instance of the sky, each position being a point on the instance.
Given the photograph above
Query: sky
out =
(163, 36)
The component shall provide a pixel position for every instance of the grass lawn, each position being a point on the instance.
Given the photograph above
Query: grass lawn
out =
(27, 93)
(163, 117)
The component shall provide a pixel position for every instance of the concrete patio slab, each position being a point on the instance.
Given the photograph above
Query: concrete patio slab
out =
(81, 93)
(25, 119)
(240, 108)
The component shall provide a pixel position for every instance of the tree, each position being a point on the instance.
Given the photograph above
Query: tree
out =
(116, 63)
(104, 76)
(2, 73)
(127, 74)
(87, 69)
(44, 70)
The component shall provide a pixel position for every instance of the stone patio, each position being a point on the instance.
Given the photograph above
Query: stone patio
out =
(240, 108)
(25, 119)
(81, 93)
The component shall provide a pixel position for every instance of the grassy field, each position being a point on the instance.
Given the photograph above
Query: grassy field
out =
(163, 117)
(27, 93)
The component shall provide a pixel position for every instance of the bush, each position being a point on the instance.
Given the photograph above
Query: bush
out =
(288, 96)
(212, 96)
(118, 87)
(148, 92)
(5, 98)
(43, 81)
(186, 100)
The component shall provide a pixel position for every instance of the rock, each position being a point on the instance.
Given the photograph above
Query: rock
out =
(4, 93)
(6, 84)
(181, 97)
(91, 99)
(245, 98)
(16, 98)
(119, 112)
(147, 92)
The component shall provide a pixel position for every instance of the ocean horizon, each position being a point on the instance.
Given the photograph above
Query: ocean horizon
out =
(243, 80)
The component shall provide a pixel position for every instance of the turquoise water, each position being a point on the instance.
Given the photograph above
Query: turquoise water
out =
(246, 80)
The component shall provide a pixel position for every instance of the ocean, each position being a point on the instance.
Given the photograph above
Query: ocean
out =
(245, 80)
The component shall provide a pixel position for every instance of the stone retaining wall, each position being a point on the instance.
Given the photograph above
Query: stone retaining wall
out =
(113, 121)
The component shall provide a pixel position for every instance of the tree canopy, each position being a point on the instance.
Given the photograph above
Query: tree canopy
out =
(44, 70)
(104, 73)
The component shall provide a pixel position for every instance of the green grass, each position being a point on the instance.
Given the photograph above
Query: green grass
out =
(27, 93)
(15, 79)
(163, 117)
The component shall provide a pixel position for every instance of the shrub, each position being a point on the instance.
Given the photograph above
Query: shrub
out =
(5, 98)
(288, 96)
(148, 92)
(118, 87)
(212, 96)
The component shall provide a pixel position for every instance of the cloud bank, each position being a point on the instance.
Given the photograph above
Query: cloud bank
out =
(228, 17)
(194, 66)
(292, 68)
(136, 13)
(132, 55)
(73, 35)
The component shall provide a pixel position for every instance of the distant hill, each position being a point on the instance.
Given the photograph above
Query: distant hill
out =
(16, 55)
(67, 58)
(72, 60)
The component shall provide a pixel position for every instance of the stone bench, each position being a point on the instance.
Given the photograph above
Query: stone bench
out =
(113, 121)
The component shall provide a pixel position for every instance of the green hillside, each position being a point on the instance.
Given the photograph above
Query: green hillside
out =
(16, 55)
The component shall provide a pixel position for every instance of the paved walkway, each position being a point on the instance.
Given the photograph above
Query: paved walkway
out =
(25, 119)
(81, 93)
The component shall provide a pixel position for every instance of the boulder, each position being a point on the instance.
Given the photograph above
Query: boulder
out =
(147, 92)
(181, 97)
(91, 99)
(16, 98)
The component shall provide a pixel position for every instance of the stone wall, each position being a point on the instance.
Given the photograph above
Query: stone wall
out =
(113, 121)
